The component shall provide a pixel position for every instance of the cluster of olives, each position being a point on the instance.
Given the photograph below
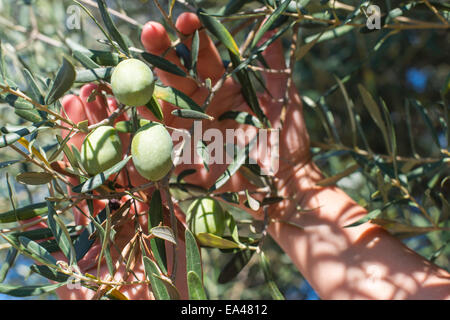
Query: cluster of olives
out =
(132, 83)
(151, 148)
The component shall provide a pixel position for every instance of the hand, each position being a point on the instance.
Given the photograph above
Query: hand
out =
(294, 140)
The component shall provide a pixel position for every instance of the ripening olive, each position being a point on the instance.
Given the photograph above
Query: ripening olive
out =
(206, 215)
(132, 82)
(101, 150)
(151, 149)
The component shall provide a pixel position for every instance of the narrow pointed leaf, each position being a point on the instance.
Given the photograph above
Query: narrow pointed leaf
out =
(32, 115)
(111, 27)
(426, 118)
(90, 75)
(12, 137)
(26, 291)
(163, 64)
(195, 287)
(193, 259)
(155, 216)
(34, 178)
(85, 60)
(211, 240)
(270, 20)
(84, 242)
(242, 117)
(24, 213)
(62, 83)
(155, 108)
(2, 63)
(158, 287)
(274, 291)
(375, 113)
(175, 97)
(219, 31)
(61, 234)
(8, 263)
(235, 265)
(191, 114)
(49, 273)
(371, 215)
(203, 153)
(164, 233)
(232, 226)
(38, 250)
(97, 180)
(194, 51)
(36, 91)
(238, 161)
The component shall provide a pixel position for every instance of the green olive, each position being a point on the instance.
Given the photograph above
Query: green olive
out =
(206, 216)
(132, 82)
(101, 150)
(151, 149)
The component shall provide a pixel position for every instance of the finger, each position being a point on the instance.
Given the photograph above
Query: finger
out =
(73, 109)
(210, 63)
(156, 41)
(274, 56)
(95, 110)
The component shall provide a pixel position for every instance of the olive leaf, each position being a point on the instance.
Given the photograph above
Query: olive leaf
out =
(85, 60)
(163, 64)
(194, 51)
(2, 63)
(238, 161)
(26, 291)
(61, 234)
(164, 233)
(155, 218)
(269, 22)
(99, 179)
(242, 117)
(24, 213)
(195, 287)
(63, 82)
(8, 263)
(191, 114)
(49, 273)
(37, 250)
(155, 108)
(111, 27)
(235, 265)
(12, 137)
(90, 75)
(211, 240)
(193, 258)
(32, 84)
(158, 287)
(34, 178)
(270, 282)
(175, 97)
(219, 31)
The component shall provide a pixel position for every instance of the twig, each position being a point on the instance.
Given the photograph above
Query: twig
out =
(38, 35)
(119, 15)
(39, 106)
(432, 8)
(168, 20)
